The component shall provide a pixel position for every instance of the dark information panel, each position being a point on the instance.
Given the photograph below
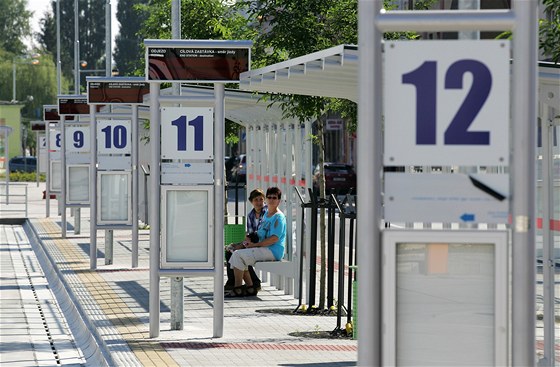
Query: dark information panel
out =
(197, 64)
(117, 92)
(38, 125)
(73, 106)
(50, 113)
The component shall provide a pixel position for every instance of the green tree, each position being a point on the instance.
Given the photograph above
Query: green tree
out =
(91, 25)
(200, 19)
(292, 28)
(14, 25)
(128, 50)
(549, 30)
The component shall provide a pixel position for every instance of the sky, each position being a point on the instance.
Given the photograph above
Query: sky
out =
(39, 7)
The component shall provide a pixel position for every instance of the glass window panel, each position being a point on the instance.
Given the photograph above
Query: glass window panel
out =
(445, 304)
(114, 198)
(78, 184)
(187, 226)
(56, 176)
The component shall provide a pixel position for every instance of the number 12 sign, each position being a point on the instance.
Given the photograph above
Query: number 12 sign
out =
(447, 103)
(187, 133)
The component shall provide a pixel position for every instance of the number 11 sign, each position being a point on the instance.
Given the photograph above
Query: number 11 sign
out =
(187, 133)
(447, 103)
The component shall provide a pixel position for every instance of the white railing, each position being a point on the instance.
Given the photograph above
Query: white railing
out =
(13, 199)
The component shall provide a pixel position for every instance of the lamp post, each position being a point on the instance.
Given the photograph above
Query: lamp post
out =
(34, 61)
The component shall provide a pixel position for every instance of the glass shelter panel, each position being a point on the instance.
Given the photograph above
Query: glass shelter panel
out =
(114, 198)
(55, 178)
(445, 304)
(445, 298)
(78, 184)
(187, 224)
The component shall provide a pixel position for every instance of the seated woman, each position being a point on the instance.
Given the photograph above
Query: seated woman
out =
(254, 220)
(272, 239)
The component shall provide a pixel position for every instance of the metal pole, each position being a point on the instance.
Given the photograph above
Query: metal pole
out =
(58, 62)
(48, 170)
(154, 209)
(135, 179)
(62, 198)
(369, 185)
(469, 5)
(523, 181)
(219, 148)
(109, 247)
(14, 80)
(7, 162)
(93, 189)
(38, 155)
(177, 289)
(77, 220)
(108, 45)
(548, 243)
(76, 49)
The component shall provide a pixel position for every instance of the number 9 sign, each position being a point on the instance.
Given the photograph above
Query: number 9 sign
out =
(187, 133)
(446, 103)
(77, 138)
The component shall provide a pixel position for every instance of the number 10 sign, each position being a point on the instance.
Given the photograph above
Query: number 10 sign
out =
(187, 133)
(447, 103)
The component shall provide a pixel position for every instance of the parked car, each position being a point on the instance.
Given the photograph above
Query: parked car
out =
(23, 164)
(338, 176)
(239, 170)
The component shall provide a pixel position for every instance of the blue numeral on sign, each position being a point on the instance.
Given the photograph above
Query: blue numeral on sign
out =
(198, 124)
(78, 139)
(424, 78)
(117, 136)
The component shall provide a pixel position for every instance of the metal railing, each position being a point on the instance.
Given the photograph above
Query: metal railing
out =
(13, 199)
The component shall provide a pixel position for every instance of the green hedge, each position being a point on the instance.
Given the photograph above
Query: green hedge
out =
(23, 177)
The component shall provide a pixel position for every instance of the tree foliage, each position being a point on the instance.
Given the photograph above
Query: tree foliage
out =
(128, 51)
(14, 25)
(91, 24)
(200, 19)
(549, 30)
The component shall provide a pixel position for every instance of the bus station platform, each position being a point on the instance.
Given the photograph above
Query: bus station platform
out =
(56, 311)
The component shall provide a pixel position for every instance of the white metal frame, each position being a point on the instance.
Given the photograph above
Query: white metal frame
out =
(70, 202)
(392, 238)
(128, 175)
(52, 187)
(209, 264)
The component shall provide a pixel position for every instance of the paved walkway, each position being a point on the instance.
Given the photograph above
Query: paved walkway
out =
(112, 317)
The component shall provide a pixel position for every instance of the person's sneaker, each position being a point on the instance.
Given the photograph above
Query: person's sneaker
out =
(258, 287)
(228, 287)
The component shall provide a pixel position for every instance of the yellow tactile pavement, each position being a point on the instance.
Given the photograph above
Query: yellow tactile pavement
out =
(148, 352)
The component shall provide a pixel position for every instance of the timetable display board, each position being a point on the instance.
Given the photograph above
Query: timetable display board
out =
(117, 91)
(211, 61)
(50, 113)
(73, 105)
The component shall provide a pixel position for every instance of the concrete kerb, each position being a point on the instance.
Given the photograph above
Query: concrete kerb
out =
(87, 338)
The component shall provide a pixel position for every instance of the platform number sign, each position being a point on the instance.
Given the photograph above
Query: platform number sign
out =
(55, 143)
(187, 133)
(113, 137)
(77, 138)
(446, 102)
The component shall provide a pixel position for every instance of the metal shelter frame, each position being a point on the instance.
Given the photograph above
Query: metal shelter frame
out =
(313, 75)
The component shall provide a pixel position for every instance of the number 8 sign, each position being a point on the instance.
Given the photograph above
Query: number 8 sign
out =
(446, 103)
(187, 133)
